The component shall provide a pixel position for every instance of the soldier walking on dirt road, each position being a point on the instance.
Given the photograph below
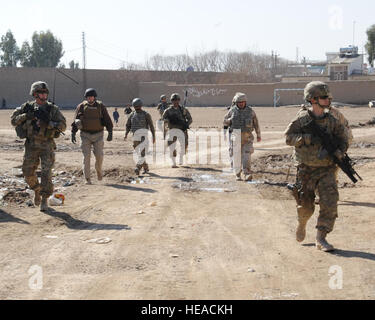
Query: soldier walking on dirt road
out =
(316, 170)
(40, 122)
(91, 116)
(138, 123)
(178, 117)
(242, 121)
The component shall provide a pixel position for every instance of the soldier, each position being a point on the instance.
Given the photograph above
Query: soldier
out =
(177, 117)
(91, 117)
(335, 112)
(243, 119)
(161, 107)
(140, 119)
(39, 121)
(316, 169)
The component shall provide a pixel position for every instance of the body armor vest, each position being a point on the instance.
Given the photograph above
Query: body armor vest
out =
(138, 121)
(242, 119)
(309, 154)
(92, 118)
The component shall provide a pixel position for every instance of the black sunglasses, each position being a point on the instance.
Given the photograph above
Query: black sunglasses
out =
(324, 97)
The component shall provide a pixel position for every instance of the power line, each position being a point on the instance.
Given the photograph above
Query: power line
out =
(106, 55)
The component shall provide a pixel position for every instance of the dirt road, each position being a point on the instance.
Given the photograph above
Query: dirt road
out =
(186, 233)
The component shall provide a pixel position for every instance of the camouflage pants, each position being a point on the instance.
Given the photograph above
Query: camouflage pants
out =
(93, 141)
(240, 152)
(43, 152)
(322, 180)
(172, 144)
(141, 153)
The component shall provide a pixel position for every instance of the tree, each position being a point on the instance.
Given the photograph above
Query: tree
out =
(26, 56)
(370, 45)
(11, 52)
(45, 51)
(73, 65)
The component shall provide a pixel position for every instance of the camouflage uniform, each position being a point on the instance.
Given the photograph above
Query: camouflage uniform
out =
(39, 146)
(340, 117)
(242, 123)
(162, 125)
(183, 115)
(315, 170)
(140, 120)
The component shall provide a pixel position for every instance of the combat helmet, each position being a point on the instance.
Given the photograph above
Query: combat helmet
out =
(163, 96)
(90, 92)
(316, 89)
(239, 97)
(137, 102)
(39, 86)
(175, 96)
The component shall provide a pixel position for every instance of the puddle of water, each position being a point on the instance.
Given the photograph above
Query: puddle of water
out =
(207, 178)
(216, 190)
(256, 182)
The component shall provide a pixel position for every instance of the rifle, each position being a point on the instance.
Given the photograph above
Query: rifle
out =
(330, 144)
(45, 117)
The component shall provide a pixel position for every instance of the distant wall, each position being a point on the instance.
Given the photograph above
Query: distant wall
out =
(114, 87)
(119, 87)
(261, 94)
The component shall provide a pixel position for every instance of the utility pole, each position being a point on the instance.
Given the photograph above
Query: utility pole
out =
(297, 55)
(353, 32)
(84, 62)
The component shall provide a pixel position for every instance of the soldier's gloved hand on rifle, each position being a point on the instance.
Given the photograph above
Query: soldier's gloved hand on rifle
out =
(74, 137)
(339, 154)
(30, 115)
(109, 138)
(51, 125)
(310, 139)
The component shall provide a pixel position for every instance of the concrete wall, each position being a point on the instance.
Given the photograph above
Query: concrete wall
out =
(114, 87)
(351, 92)
(119, 87)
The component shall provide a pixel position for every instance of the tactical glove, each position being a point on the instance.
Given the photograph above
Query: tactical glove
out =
(74, 137)
(30, 115)
(109, 138)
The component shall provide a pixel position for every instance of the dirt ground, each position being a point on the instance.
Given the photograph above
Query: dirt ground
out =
(186, 233)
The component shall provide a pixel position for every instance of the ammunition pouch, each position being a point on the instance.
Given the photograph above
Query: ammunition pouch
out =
(21, 130)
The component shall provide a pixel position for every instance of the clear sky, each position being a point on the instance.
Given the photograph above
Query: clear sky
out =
(132, 30)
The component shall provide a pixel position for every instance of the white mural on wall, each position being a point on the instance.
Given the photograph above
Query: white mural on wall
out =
(205, 92)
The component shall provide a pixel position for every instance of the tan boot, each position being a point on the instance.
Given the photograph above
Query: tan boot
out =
(37, 198)
(321, 242)
(44, 204)
(301, 230)
(100, 175)
(248, 177)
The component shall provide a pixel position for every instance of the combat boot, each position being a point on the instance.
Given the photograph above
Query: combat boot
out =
(145, 169)
(238, 176)
(44, 204)
(321, 242)
(301, 230)
(88, 181)
(100, 175)
(37, 198)
(136, 171)
(248, 177)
